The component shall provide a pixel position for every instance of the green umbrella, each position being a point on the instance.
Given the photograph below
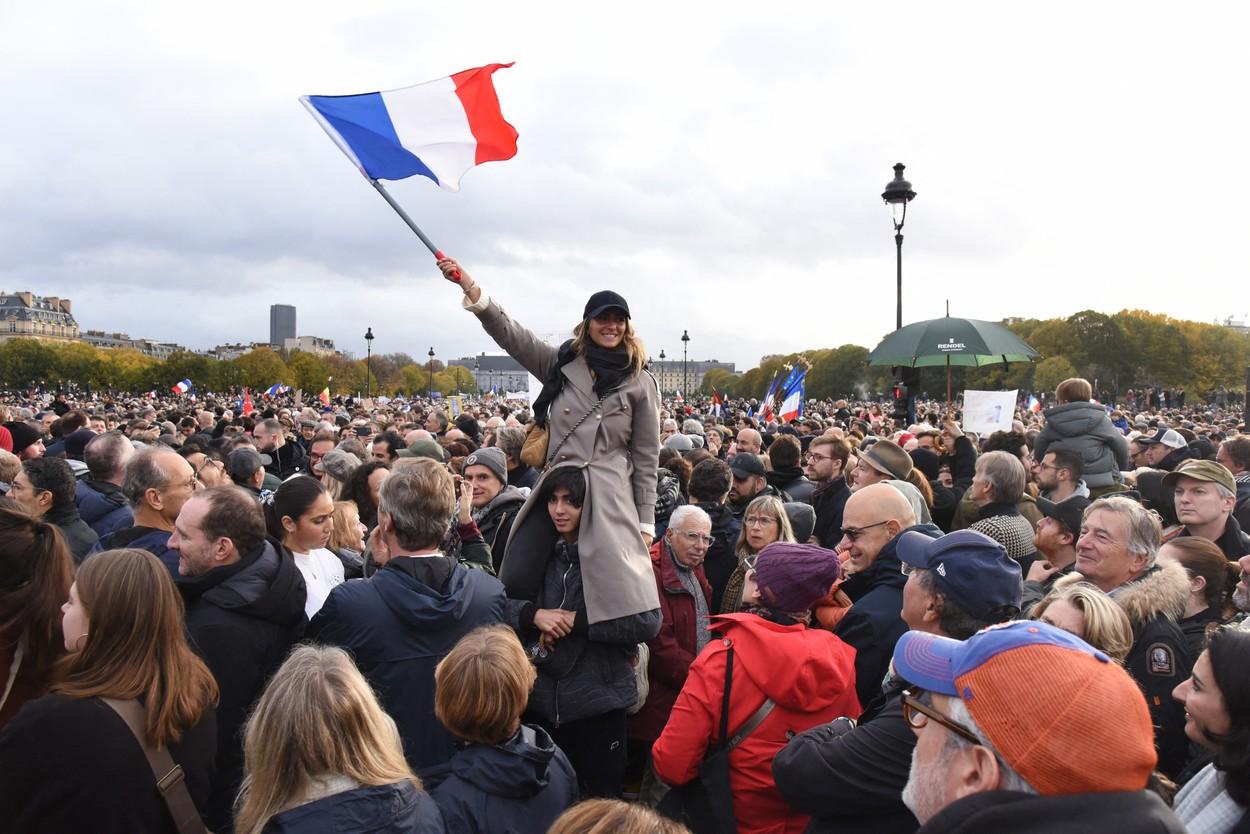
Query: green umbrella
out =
(950, 341)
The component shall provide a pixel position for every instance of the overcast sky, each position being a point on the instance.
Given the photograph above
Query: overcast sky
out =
(718, 164)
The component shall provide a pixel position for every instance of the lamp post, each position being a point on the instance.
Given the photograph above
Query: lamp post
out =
(663, 380)
(897, 195)
(685, 382)
(368, 359)
(431, 391)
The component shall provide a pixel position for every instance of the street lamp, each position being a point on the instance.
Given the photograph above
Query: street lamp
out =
(685, 383)
(431, 391)
(368, 359)
(897, 195)
(663, 381)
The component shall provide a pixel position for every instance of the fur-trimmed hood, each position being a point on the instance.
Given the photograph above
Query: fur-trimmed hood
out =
(1164, 589)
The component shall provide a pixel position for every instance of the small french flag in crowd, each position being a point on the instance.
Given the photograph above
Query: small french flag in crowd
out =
(276, 389)
(1034, 405)
(182, 387)
(439, 129)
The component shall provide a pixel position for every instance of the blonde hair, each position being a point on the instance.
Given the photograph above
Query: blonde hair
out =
(483, 685)
(612, 816)
(317, 717)
(1107, 627)
(345, 534)
(136, 645)
(634, 348)
(773, 505)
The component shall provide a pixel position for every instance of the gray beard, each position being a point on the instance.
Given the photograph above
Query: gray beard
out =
(923, 794)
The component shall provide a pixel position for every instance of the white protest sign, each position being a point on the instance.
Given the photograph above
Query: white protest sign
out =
(986, 412)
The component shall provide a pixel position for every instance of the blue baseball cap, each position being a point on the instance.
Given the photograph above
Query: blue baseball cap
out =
(968, 567)
(936, 663)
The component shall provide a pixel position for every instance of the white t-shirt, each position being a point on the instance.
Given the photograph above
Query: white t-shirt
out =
(322, 570)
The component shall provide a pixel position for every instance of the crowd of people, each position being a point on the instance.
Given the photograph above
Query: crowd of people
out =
(608, 611)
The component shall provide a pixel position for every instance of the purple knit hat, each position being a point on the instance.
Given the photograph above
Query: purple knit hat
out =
(792, 577)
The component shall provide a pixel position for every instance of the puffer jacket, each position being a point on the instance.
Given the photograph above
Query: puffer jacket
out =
(1159, 659)
(590, 671)
(808, 673)
(494, 521)
(518, 786)
(370, 809)
(1085, 428)
(102, 506)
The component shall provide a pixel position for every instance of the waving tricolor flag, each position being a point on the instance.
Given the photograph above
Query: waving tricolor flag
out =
(275, 389)
(793, 393)
(439, 129)
(1034, 405)
(181, 387)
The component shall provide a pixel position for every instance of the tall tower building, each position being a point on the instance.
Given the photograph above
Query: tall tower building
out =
(281, 324)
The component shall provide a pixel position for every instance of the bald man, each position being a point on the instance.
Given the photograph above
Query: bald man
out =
(749, 440)
(871, 523)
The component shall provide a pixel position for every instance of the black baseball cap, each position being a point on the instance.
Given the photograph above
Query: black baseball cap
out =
(746, 464)
(1068, 513)
(603, 301)
(969, 567)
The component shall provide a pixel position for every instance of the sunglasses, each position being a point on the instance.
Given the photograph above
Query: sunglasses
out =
(917, 714)
(852, 534)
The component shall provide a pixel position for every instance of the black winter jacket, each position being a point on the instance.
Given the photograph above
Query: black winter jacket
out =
(71, 764)
(851, 780)
(495, 521)
(589, 672)
(994, 812)
(828, 501)
(78, 536)
(874, 622)
(242, 619)
(398, 627)
(518, 786)
(720, 561)
(102, 506)
(383, 809)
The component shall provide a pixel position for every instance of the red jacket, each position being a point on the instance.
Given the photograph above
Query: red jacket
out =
(810, 675)
(673, 649)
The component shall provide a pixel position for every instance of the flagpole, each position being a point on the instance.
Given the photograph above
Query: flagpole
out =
(403, 215)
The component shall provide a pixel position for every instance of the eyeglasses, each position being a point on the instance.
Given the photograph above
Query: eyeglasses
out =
(813, 457)
(207, 463)
(852, 534)
(759, 521)
(696, 538)
(918, 714)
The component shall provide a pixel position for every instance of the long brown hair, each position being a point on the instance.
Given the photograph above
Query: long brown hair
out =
(318, 717)
(634, 347)
(36, 570)
(136, 646)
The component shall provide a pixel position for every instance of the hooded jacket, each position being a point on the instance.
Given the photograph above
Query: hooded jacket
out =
(875, 622)
(242, 620)
(674, 648)
(151, 539)
(793, 482)
(102, 506)
(495, 521)
(518, 786)
(993, 812)
(1159, 659)
(78, 536)
(370, 809)
(397, 629)
(1085, 428)
(720, 560)
(809, 675)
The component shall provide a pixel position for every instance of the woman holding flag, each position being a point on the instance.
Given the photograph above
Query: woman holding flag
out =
(601, 410)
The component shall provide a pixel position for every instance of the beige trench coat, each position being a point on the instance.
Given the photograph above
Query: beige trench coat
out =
(618, 447)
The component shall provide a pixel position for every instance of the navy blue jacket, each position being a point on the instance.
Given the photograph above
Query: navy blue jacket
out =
(385, 809)
(150, 539)
(398, 628)
(102, 506)
(518, 786)
(874, 622)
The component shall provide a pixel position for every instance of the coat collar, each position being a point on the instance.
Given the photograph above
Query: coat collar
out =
(1163, 589)
(578, 374)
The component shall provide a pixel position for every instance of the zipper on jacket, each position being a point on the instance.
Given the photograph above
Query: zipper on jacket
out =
(555, 692)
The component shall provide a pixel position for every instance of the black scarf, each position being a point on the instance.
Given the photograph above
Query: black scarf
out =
(610, 368)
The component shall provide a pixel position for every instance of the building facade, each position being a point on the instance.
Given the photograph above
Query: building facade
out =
(158, 350)
(24, 315)
(281, 324)
(311, 344)
(668, 372)
(498, 371)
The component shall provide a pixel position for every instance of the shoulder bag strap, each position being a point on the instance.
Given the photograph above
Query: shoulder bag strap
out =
(752, 723)
(724, 703)
(551, 456)
(170, 780)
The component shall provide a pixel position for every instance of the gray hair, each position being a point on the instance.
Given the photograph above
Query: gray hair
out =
(677, 520)
(1224, 491)
(106, 454)
(421, 502)
(1005, 474)
(509, 440)
(692, 426)
(1145, 531)
(1008, 779)
(144, 472)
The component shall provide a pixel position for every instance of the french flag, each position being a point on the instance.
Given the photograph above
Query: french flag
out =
(181, 387)
(439, 129)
